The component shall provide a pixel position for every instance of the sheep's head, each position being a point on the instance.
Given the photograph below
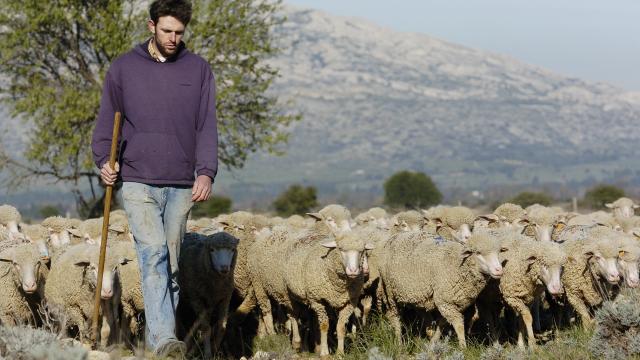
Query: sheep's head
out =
(458, 221)
(352, 247)
(623, 207)
(602, 256)
(551, 259)
(27, 260)
(628, 258)
(222, 249)
(109, 275)
(485, 248)
(336, 217)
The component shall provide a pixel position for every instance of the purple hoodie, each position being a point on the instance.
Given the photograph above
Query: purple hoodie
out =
(169, 127)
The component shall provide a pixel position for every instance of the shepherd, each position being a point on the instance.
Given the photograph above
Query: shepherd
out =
(168, 155)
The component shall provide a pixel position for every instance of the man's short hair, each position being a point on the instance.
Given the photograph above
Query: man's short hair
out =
(179, 9)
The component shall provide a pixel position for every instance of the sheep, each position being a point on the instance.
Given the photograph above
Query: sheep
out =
(507, 214)
(410, 220)
(531, 266)
(623, 207)
(541, 221)
(59, 229)
(325, 276)
(592, 261)
(10, 217)
(206, 283)
(454, 223)
(23, 273)
(266, 266)
(70, 287)
(628, 258)
(131, 299)
(598, 217)
(376, 216)
(629, 225)
(447, 277)
(297, 222)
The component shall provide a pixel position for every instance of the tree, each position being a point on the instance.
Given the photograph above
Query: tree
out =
(49, 210)
(296, 200)
(599, 195)
(55, 54)
(411, 190)
(527, 198)
(213, 207)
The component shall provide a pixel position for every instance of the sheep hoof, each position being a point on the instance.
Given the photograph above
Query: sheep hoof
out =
(296, 345)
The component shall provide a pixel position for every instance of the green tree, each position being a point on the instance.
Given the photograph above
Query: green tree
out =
(296, 200)
(527, 198)
(49, 210)
(599, 195)
(411, 190)
(54, 56)
(213, 207)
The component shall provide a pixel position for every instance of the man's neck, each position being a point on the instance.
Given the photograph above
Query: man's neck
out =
(154, 52)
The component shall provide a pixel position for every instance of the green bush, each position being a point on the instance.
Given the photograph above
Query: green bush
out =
(411, 190)
(528, 198)
(49, 210)
(617, 332)
(599, 195)
(213, 207)
(296, 200)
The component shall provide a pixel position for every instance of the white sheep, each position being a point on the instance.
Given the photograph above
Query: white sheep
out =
(267, 267)
(206, 285)
(505, 215)
(376, 216)
(10, 217)
(328, 277)
(541, 221)
(446, 276)
(530, 267)
(454, 223)
(59, 229)
(592, 262)
(70, 288)
(623, 207)
(23, 272)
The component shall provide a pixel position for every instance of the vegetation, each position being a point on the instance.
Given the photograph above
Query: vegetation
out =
(296, 200)
(599, 195)
(213, 207)
(54, 59)
(411, 190)
(527, 198)
(49, 210)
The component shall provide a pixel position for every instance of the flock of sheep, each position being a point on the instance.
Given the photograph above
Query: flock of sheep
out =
(307, 276)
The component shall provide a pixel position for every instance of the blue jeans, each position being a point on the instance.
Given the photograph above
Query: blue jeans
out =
(158, 218)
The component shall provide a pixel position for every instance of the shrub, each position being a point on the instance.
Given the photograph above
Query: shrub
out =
(599, 195)
(21, 342)
(617, 332)
(296, 200)
(411, 190)
(528, 198)
(49, 210)
(213, 207)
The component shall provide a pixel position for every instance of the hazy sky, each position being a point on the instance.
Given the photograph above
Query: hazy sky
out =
(591, 39)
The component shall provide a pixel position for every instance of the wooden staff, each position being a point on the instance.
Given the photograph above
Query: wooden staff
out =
(105, 228)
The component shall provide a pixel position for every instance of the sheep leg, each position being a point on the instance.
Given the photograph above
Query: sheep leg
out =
(221, 325)
(438, 332)
(456, 319)
(248, 304)
(394, 318)
(474, 318)
(265, 309)
(206, 338)
(105, 329)
(526, 321)
(296, 341)
(343, 317)
(536, 313)
(323, 323)
(367, 302)
(581, 309)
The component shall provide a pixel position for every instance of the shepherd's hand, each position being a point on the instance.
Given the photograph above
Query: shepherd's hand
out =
(108, 175)
(201, 188)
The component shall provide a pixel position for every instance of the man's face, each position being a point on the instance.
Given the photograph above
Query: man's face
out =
(167, 33)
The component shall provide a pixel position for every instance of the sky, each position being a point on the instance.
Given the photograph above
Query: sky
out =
(596, 40)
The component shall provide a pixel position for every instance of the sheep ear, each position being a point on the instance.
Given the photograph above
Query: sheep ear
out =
(523, 222)
(635, 206)
(125, 261)
(75, 232)
(465, 254)
(621, 253)
(491, 218)
(6, 258)
(224, 223)
(117, 228)
(531, 259)
(316, 216)
(636, 233)
(82, 263)
(330, 244)
(609, 205)
(571, 259)
(368, 246)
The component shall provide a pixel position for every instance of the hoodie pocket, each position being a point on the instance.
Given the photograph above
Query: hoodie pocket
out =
(157, 156)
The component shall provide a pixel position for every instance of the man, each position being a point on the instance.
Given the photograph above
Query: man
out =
(166, 95)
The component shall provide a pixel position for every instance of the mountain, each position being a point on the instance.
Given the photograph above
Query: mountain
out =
(376, 101)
